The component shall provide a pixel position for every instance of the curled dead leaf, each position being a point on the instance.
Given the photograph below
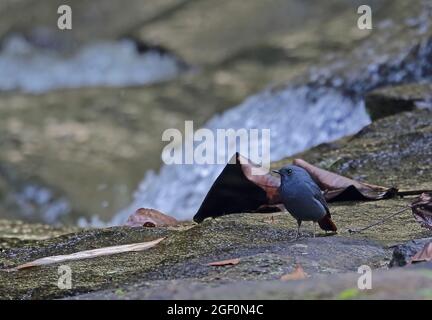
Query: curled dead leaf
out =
(145, 217)
(237, 190)
(229, 262)
(424, 254)
(297, 274)
(422, 210)
(340, 188)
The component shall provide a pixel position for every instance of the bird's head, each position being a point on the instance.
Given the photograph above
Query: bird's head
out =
(290, 172)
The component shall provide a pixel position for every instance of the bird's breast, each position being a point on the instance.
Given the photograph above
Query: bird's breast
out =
(301, 204)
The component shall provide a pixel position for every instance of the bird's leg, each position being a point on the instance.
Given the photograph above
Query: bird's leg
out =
(314, 224)
(298, 229)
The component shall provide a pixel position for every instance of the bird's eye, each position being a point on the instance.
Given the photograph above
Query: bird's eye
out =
(289, 171)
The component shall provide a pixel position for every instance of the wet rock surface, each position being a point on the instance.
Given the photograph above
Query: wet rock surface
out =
(403, 253)
(394, 284)
(266, 251)
(387, 101)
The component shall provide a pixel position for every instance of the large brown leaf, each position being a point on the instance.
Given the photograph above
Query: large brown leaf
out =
(340, 188)
(422, 210)
(238, 190)
(144, 217)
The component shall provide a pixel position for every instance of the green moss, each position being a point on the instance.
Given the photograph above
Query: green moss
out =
(348, 294)
(120, 292)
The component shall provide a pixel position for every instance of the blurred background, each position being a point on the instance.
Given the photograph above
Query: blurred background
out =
(82, 111)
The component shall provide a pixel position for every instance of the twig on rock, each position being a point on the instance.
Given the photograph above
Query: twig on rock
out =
(412, 192)
(379, 222)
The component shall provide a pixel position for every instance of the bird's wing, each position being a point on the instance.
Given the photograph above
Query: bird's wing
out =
(326, 222)
(323, 201)
(318, 195)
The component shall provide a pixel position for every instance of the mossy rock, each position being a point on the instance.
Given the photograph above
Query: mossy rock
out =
(266, 250)
(388, 101)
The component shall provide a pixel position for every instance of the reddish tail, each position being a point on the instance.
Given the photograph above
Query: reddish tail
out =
(327, 224)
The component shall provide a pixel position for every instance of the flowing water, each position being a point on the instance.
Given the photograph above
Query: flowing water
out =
(28, 68)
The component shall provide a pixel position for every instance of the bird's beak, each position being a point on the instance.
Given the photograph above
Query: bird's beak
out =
(276, 171)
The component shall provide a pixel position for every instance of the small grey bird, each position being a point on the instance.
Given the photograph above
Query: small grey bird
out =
(303, 198)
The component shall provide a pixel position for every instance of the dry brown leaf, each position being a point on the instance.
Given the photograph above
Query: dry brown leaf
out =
(145, 217)
(297, 274)
(340, 188)
(87, 254)
(422, 210)
(229, 262)
(424, 254)
(270, 184)
(238, 190)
